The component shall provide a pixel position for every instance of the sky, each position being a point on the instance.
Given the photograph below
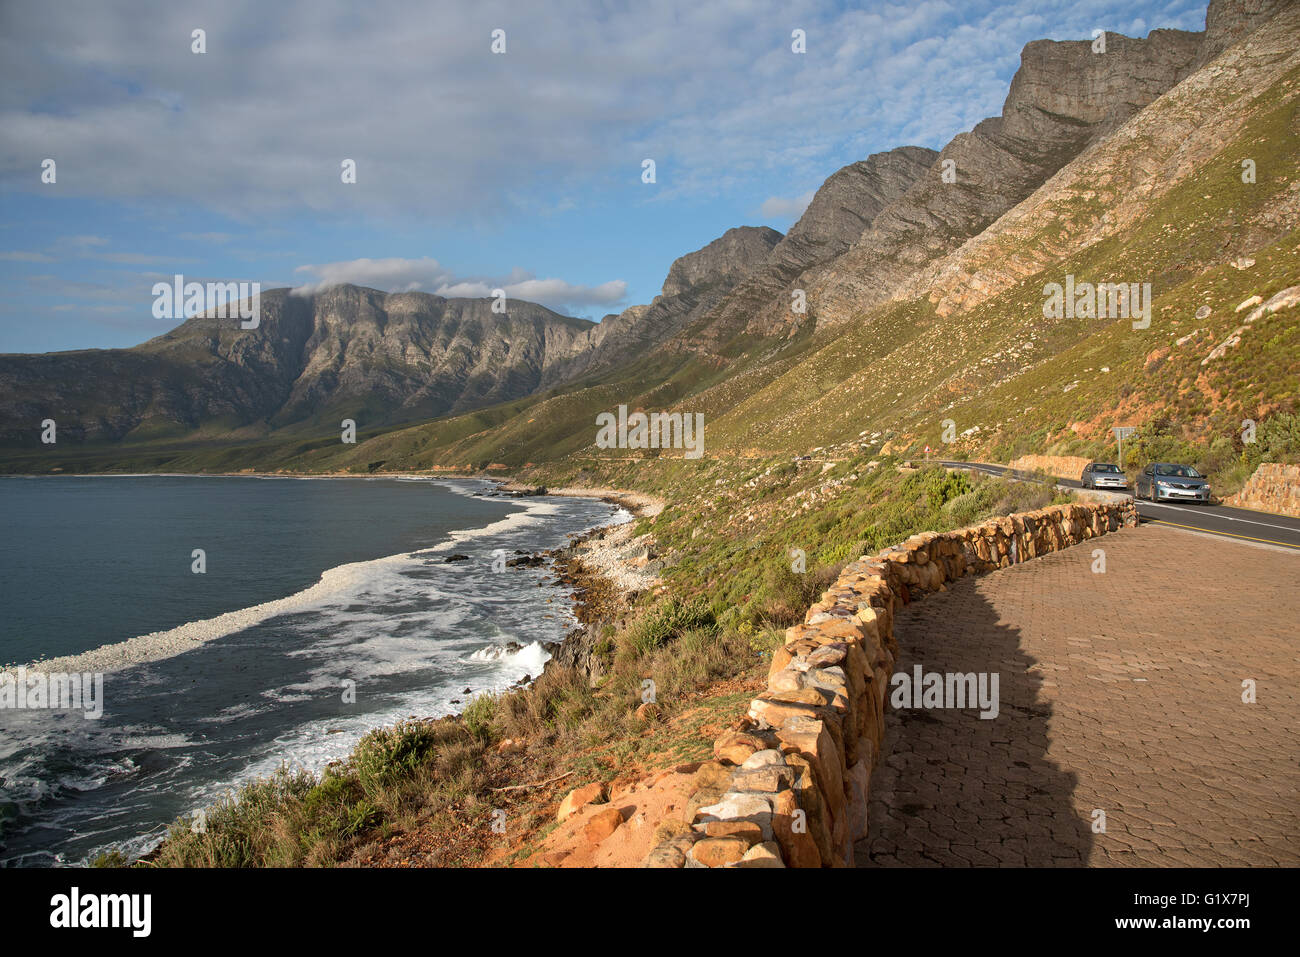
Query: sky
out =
(520, 168)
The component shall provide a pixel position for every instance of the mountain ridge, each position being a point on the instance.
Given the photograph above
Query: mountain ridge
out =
(722, 329)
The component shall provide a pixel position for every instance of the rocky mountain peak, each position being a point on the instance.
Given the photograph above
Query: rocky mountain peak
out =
(730, 256)
(1063, 98)
(1067, 82)
(844, 205)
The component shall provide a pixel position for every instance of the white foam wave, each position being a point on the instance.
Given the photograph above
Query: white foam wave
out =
(531, 657)
(334, 582)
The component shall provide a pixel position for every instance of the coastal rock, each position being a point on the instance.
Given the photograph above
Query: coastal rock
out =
(602, 824)
(579, 798)
(767, 854)
(719, 851)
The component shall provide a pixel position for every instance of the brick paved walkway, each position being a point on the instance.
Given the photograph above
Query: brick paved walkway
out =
(1120, 692)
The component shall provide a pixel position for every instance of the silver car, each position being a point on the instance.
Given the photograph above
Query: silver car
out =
(1103, 475)
(1165, 482)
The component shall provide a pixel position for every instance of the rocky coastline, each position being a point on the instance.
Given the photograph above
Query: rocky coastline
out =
(604, 570)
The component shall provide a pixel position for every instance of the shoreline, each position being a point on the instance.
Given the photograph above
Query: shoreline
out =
(170, 642)
(584, 581)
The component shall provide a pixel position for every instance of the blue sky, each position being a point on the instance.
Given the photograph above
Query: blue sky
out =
(475, 169)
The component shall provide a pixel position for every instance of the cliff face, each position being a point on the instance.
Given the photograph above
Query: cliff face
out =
(725, 260)
(1063, 99)
(412, 354)
(1227, 21)
(1106, 191)
(841, 210)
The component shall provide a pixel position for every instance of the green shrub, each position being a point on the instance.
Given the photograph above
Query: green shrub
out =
(386, 755)
(1277, 439)
(666, 621)
(478, 715)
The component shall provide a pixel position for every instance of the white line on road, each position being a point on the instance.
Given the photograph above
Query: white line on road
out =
(1216, 514)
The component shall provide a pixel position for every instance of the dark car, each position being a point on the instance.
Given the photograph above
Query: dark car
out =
(1166, 482)
(1103, 475)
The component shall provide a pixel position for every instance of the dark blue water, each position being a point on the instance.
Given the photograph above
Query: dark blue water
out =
(89, 561)
(362, 598)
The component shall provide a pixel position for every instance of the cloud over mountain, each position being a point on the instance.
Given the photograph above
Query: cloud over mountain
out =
(428, 275)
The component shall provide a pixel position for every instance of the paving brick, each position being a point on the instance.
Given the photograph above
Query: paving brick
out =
(1186, 773)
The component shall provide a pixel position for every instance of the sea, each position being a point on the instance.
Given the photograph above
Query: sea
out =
(244, 624)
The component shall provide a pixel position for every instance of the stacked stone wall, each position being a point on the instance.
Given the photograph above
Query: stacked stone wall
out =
(789, 785)
(1273, 488)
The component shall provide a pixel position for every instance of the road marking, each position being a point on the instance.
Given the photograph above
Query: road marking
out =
(1211, 531)
(1220, 515)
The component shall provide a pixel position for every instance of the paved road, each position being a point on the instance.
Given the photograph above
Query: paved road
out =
(1239, 523)
(1119, 692)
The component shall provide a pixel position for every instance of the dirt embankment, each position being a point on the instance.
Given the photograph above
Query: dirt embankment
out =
(1062, 466)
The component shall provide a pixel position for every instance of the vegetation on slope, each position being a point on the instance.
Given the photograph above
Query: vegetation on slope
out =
(425, 791)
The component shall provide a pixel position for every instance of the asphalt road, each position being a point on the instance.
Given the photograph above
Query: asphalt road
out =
(1281, 530)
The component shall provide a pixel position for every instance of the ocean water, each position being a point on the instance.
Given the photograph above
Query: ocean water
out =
(311, 586)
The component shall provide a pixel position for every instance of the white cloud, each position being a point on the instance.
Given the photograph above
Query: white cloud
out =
(776, 207)
(391, 275)
(428, 275)
(287, 91)
(83, 242)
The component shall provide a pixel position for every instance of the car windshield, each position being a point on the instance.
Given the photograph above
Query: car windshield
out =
(1179, 471)
(1105, 468)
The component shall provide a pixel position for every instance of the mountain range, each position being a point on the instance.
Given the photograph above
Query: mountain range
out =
(907, 293)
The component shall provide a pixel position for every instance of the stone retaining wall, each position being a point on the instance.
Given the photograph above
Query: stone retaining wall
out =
(789, 783)
(1273, 488)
